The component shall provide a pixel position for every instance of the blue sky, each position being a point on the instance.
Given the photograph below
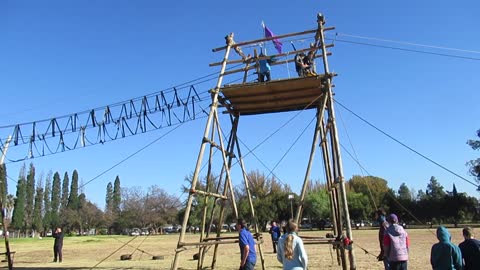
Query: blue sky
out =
(62, 57)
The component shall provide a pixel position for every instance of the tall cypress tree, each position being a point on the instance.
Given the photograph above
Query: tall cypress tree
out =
(29, 197)
(56, 195)
(37, 224)
(47, 203)
(73, 202)
(64, 199)
(109, 198)
(18, 215)
(117, 196)
(3, 184)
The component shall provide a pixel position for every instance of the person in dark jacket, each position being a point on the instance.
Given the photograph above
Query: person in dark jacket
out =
(396, 244)
(445, 255)
(470, 249)
(382, 221)
(58, 245)
(275, 233)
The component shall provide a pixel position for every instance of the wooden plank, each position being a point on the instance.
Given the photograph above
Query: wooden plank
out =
(274, 96)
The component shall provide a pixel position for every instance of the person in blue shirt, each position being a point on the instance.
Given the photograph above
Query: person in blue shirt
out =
(248, 254)
(264, 70)
(275, 233)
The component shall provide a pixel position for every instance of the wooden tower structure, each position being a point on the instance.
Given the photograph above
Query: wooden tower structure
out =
(312, 91)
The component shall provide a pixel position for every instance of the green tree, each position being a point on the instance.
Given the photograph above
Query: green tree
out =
(117, 195)
(64, 198)
(37, 223)
(270, 199)
(317, 205)
(47, 203)
(404, 193)
(18, 215)
(109, 198)
(73, 201)
(56, 200)
(421, 195)
(434, 189)
(358, 206)
(475, 164)
(375, 188)
(29, 197)
(3, 183)
(90, 215)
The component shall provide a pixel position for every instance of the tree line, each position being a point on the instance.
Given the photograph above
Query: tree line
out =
(42, 203)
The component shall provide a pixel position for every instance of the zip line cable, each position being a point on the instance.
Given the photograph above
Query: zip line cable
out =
(404, 145)
(408, 50)
(388, 193)
(409, 43)
(356, 157)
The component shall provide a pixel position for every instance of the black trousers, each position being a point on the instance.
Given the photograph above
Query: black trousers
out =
(57, 253)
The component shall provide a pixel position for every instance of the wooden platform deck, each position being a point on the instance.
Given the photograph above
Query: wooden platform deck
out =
(274, 96)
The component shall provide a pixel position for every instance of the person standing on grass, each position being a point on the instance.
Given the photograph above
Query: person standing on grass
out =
(58, 245)
(470, 249)
(444, 254)
(382, 221)
(248, 255)
(396, 244)
(275, 234)
(291, 252)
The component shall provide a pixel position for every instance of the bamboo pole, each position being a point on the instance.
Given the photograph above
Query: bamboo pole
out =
(252, 209)
(255, 58)
(320, 111)
(336, 149)
(271, 38)
(4, 224)
(196, 173)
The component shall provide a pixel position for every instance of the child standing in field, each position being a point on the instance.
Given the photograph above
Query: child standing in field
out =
(396, 244)
(445, 255)
(291, 252)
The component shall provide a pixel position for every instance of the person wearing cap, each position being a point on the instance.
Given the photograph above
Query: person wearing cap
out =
(396, 244)
(248, 256)
(445, 255)
(470, 249)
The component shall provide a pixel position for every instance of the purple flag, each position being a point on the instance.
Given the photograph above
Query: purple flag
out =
(276, 41)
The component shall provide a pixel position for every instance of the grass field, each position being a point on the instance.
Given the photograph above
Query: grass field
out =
(87, 251)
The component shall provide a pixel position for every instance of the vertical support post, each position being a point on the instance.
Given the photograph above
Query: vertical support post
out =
(336, 144)
(252, 209)
(320, 111)
(4, 224)
(213, 109)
